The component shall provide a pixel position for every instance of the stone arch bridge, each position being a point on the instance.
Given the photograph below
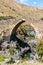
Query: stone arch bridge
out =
(35, 25)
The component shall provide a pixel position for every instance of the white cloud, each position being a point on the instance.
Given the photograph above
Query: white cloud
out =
(35, 3)
(23, 1)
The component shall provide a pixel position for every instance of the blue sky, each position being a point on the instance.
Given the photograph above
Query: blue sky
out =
(38, 3)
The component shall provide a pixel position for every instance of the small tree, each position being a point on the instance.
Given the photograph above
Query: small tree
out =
(11, 50)
(39, 48)
(42, 18)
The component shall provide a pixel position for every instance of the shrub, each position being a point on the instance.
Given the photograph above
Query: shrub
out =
(11, 50)
(39, 48)
(26, 57)
(41, 18)
(2, 58)
(5, 17)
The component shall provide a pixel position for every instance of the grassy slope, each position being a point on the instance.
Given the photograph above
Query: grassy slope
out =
(9, 8)
(12, 8)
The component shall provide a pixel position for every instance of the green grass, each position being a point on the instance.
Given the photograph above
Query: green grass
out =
(5, 17)
(26, 57)
(2, 58)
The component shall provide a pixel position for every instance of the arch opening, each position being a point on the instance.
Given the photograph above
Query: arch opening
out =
(24, 32)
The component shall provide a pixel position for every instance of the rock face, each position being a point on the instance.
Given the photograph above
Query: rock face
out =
(22, 47)
(20, 50)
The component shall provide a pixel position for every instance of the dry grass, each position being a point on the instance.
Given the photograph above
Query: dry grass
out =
(28, 63)
(12, 8)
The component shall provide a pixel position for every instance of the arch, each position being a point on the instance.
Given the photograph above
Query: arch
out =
(15, 28)
(13, 33)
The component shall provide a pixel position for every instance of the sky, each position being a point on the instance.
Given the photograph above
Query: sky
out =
(38, 3)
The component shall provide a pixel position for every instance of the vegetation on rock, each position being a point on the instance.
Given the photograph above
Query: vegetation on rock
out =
(39, 48)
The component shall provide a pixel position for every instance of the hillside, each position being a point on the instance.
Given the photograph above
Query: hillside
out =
(12, 8)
